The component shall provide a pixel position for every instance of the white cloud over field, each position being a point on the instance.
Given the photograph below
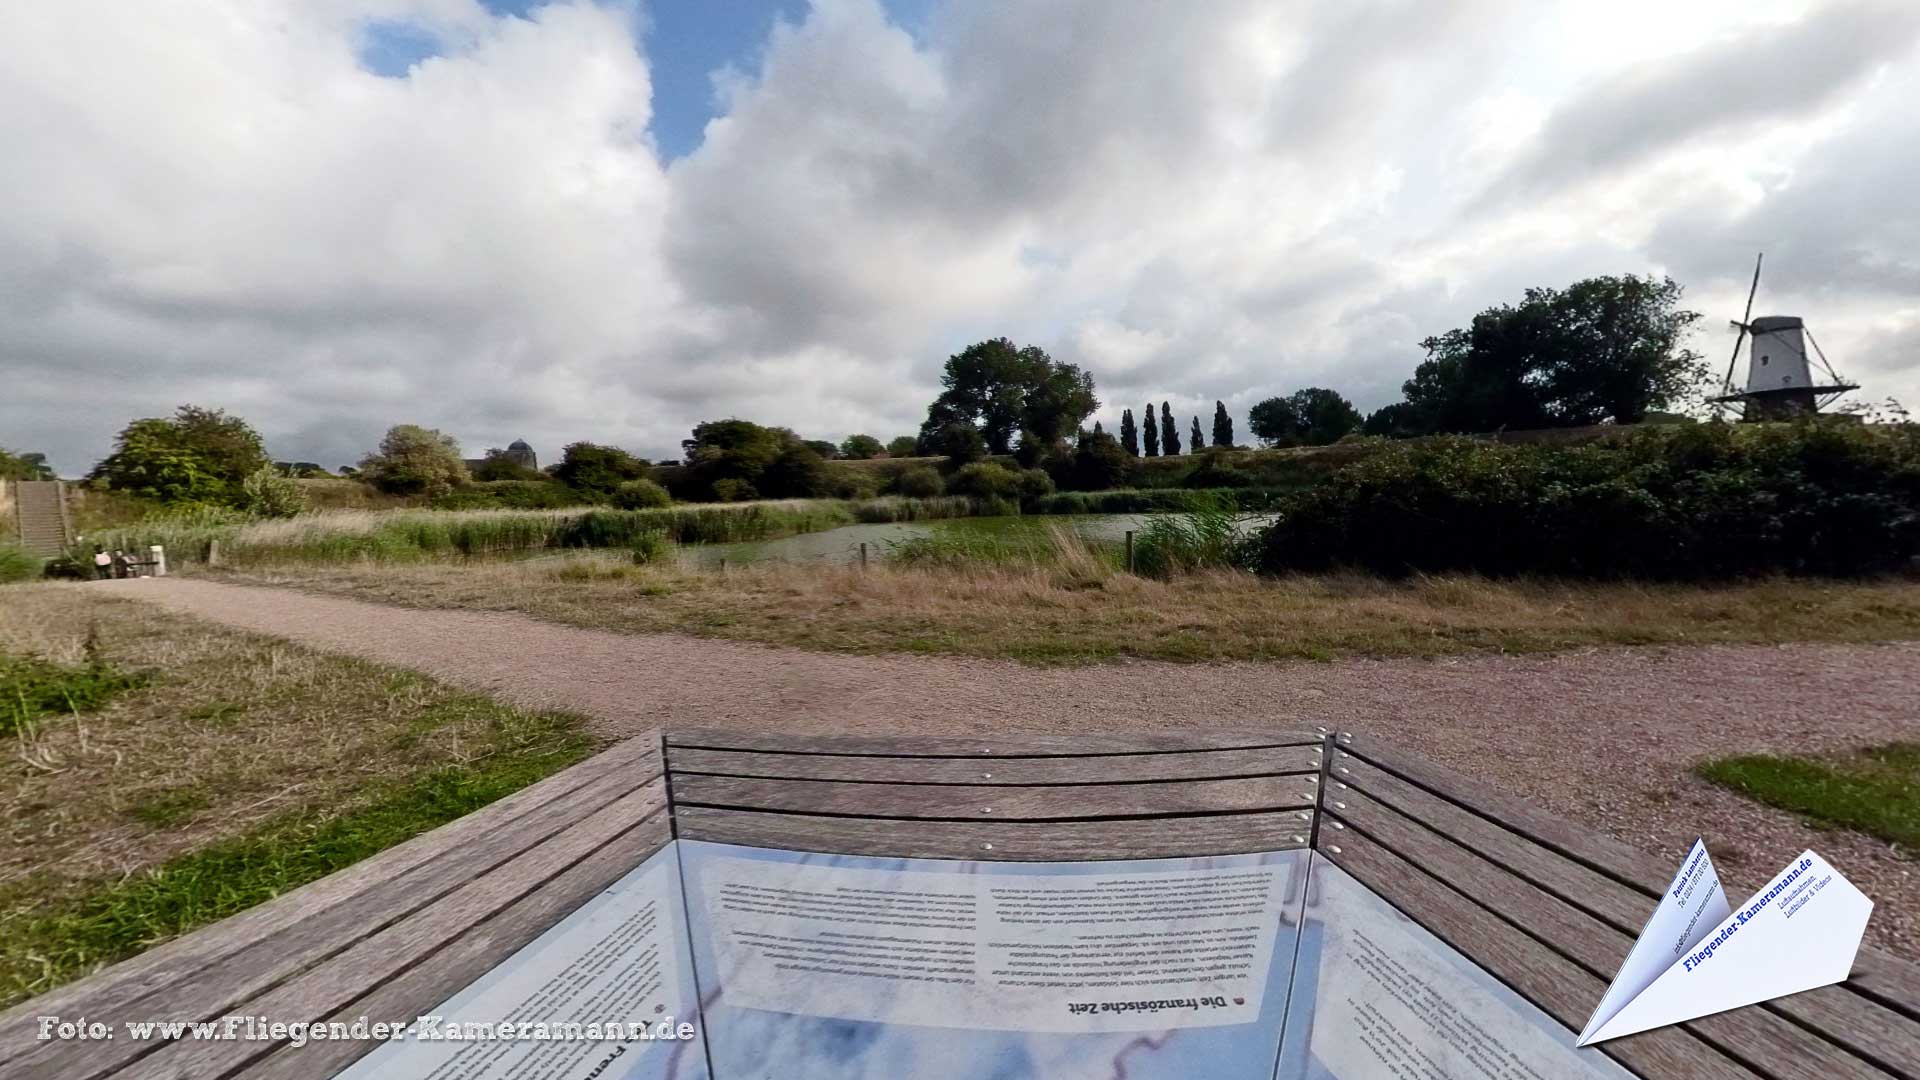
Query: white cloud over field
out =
(216, 202)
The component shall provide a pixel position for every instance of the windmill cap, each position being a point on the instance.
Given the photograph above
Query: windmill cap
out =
(1768, 323)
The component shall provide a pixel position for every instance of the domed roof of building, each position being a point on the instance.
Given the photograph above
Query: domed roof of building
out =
(519, 444)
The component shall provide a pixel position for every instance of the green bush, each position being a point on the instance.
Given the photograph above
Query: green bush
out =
(922, 482)
(641, 495)
(1174, 500)
(1032, 484)
(268, 494)
(733, 489)
(16, 564)
(650, 547)
(984, 480)
(1681, 502)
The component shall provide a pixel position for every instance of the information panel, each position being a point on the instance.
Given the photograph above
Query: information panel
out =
(846, 966)
(1376, 997)
(1267, 966)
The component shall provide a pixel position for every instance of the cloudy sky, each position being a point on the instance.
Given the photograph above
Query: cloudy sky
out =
(609, 221)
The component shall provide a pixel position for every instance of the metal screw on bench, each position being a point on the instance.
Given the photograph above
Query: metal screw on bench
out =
(1333, 848)
(986, 847)
(986, 809)
(986, 776)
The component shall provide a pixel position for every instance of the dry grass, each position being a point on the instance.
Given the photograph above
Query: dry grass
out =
(1082, 610)
(231, 734)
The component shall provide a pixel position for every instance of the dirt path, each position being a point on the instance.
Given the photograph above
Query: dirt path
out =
(1604, 737)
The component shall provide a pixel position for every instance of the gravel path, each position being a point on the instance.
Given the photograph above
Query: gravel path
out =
(1602, 736)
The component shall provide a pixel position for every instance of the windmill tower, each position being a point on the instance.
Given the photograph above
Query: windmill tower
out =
(1781, 383)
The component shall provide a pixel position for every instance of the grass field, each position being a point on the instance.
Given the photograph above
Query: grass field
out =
(162, 773)
(1875, 791)
(1079, 608)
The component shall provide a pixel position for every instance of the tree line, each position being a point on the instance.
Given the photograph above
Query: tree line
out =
(1606, 349)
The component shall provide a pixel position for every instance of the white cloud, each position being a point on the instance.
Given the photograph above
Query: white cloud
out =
(1222, 200)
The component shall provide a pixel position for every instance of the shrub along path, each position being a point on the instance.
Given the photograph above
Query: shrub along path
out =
(1607, 736)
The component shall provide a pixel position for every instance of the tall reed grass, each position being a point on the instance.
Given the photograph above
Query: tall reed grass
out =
(1168, 544)
(405, 535)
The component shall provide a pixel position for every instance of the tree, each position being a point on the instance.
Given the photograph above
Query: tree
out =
(1222, 425)
(597, 470)
(1196, 442)
(826, 450)
(196, 455)
(960, 443)
(497, 464)
(903, 446)
(861, 447)
(24, 466)
(1129, 434)
(798, 473)
(1169, 434)
(1397, 421)
(1309, 417)
(733, 449)
(1606, 348)
(1153, 433)
(1100, 463)
(414, 460)
(1030, 450)
(999, 388)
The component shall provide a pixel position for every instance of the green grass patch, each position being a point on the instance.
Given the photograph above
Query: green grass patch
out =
(16, 564)
(31, 689)
(1876, 791)
(66, 936)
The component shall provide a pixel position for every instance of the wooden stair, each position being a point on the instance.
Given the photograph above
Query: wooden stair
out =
(41, 509)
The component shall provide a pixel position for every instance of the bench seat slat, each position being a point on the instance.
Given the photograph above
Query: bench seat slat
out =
(213, 990)
(1086, 769)
(1843, 1013)
(320, 990)
(967, 802)
(1778, 1047)
(113, 989)
(477, 951)
(1551, 981)
(1023, 841)
(995, 745)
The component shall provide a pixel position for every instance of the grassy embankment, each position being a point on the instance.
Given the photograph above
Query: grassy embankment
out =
(1875, 791)
(162, 774)
(1069, 603)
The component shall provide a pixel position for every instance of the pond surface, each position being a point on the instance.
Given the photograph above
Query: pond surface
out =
(842, 545)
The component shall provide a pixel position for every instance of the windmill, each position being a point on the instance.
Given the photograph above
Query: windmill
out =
(1780, 383)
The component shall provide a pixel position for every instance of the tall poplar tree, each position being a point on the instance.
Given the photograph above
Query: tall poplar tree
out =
(1129, 434)
(1222, 425)
(1153, 433)
(1198, 442)
(1169, 434)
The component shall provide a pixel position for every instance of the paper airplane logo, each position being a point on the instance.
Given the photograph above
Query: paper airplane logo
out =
(1697, 956)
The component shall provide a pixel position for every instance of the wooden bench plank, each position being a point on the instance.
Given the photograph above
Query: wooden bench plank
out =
(1872, 1013)
(476, 952)
(1773, 1045)
(999, 745)
(213, 989)
(968, 802)
(111, 989)
(1094, 768)
(1029, 841)
(321, 990)
(1552, 982)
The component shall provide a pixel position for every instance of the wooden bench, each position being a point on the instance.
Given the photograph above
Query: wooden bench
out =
(1542, 905)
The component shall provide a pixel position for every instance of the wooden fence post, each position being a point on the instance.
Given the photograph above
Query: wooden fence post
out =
(213, 553)
(863, 554)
